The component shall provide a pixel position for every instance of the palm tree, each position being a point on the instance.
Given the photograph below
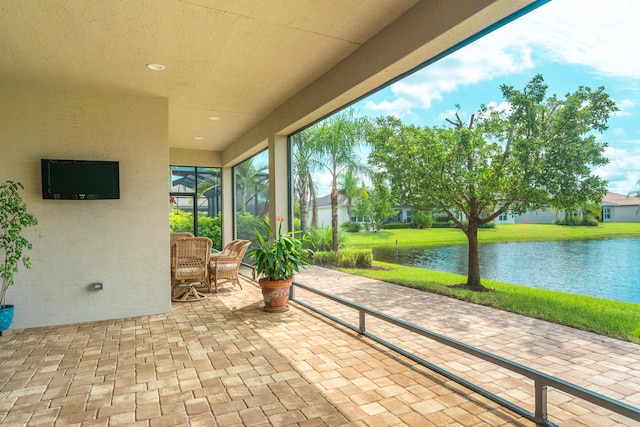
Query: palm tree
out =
(350, 189)
(303, 154)
(636, 192)
(251, 179)
(338, 139)
(314, 203)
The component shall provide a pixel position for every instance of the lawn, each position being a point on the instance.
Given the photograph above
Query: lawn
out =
(606, 317)
(503, 233)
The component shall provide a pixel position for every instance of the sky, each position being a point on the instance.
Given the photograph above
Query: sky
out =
(571, 43)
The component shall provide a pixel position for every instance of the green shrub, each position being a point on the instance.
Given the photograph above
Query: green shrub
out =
(590, 221)
(247, 224)
(325, 258)
(346, 258)
(490, 224)
(211, 228)
(441, 218)
(397, 225)
(180, 221)
(587, 220)
(421, 219)
(442, 224)
(319, 239)
(364, 258)
(351, 227)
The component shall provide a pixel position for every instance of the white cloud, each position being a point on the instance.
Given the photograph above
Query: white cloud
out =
(322, 181)
(607, 44)
(607, 32)
(399, 107)
(449, 114)
(624, 107)
(623, 170)
(475, 63)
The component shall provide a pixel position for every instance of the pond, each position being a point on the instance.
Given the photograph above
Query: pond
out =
(607, 268)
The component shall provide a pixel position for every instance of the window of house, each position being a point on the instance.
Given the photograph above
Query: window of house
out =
(195, 202)
(251, 190)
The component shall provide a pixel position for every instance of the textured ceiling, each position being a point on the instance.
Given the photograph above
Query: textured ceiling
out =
(237, 60)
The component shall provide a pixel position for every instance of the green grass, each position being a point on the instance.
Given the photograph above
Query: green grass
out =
(605, 317)
(502, 233)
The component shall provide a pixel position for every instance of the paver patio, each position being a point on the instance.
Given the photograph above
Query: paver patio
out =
(222, 361)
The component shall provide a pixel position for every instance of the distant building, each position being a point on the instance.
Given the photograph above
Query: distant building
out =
(620, 208)
(615, 208)
(324, 211)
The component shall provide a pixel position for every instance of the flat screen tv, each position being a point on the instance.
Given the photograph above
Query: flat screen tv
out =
(80, 179)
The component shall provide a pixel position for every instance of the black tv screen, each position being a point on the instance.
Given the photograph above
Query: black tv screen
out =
(80, 179)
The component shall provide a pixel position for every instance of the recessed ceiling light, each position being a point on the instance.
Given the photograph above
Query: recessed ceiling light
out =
(199, 138)
(214, 118)
(155, 67)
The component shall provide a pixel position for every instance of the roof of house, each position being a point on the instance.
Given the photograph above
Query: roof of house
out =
(325, 201)
(615, 199)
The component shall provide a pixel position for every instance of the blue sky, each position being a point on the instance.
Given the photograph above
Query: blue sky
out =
(570, 42)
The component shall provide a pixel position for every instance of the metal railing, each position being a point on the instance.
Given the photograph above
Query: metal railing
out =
(541, 380)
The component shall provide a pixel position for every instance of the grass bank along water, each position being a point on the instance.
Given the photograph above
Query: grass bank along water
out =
(502, 233)
(612, 318)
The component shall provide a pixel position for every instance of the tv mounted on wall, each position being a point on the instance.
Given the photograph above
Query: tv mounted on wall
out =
(80, 179)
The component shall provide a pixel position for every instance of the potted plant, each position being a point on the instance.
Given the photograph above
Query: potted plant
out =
(277, 259)
(14, 218)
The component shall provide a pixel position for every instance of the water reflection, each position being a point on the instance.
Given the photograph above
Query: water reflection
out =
(607, 268)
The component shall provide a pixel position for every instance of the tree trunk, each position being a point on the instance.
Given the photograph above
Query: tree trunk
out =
(304, 213)
(473, 274)
(303, 195)
(334, 216)
(314, 205)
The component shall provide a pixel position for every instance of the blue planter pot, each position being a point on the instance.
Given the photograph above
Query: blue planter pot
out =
(6, 316)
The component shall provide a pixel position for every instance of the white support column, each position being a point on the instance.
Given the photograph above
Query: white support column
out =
(279, 182)
(227, 205)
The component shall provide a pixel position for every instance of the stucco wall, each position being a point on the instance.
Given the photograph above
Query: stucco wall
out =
(122, 243)
(624, 214)
(536, 217)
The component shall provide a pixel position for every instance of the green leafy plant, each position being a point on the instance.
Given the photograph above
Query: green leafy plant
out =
(351, 226)
(14, 218)
(279, 256)
(320, 239)
(346, 258)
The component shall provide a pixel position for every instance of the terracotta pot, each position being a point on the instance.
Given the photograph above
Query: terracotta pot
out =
(275, 294)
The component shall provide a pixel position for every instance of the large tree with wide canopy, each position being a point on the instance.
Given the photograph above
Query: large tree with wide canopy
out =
(538, 152)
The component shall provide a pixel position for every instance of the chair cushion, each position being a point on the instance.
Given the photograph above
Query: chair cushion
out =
(185, 272)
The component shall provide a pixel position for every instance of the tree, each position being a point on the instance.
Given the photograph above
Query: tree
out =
(536, 154)
(338, 139)
(376, 204)
(252, 180)
(635, 193)
(350, 189)
(303, 161)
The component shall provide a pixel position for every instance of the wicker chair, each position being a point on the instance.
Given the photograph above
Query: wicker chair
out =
(228, 249)
(189, 266)
(225, 268)
(180, 235)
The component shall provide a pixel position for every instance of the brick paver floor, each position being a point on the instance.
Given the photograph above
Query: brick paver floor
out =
(224, 362)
